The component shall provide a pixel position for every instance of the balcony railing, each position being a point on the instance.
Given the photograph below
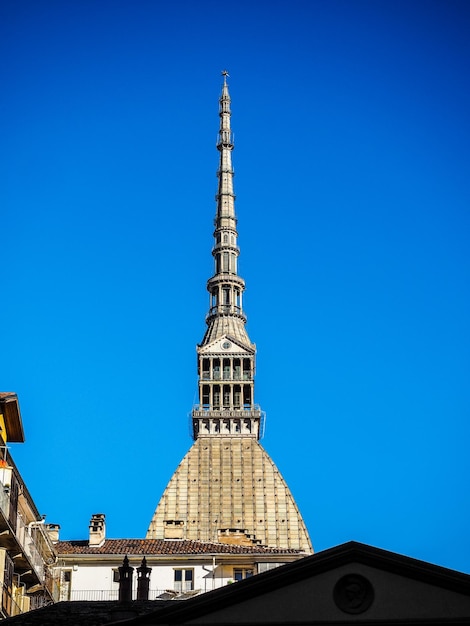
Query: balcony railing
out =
(227, 376)
(202, 410)
(22, 535)
(205, 412)
(225, 308)
(99, 595)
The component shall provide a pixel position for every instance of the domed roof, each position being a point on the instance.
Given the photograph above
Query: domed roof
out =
(227, 489)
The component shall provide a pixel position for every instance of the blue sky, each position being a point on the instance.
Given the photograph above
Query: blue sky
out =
(352, 131)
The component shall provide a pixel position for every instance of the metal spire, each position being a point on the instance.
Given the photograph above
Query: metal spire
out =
(226, 354)
(225, 287)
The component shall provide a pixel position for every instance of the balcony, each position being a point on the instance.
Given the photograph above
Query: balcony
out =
(246, 411)
(18, 534)
(226, 309)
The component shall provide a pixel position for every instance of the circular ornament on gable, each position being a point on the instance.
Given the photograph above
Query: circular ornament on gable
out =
(226, 345)
(353, 594)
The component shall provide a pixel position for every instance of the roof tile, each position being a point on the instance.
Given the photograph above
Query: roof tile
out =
(162, 546)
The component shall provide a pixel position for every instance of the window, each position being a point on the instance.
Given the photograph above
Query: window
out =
(236, 369)
(205, 395)
(65, 585)
(264, 567)
(237, 397)
(241, 574)
(216, 396)
(184, 579)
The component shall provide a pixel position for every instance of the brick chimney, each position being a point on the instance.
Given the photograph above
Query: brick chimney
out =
(97, 530)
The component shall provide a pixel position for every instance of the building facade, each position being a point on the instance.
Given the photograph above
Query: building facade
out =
(88, 570)
(350, 584)
(227, 489)
(27, 554)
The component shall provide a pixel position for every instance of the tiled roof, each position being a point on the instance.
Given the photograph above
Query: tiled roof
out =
(10, 409)
(6, 394)
(163, 546)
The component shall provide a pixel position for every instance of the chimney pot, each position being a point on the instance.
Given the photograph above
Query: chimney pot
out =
(97, 528)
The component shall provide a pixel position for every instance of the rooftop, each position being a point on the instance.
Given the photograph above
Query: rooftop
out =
(163, 546)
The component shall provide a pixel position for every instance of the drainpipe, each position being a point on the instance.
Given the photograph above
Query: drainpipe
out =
(208, 569)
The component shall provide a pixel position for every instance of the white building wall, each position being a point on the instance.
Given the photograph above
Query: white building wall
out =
(95, 581)
(96, 577)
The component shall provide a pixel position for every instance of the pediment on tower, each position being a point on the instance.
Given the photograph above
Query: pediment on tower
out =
(226, 345)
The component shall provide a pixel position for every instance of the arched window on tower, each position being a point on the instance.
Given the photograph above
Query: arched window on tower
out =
(214, 299)
(226, 296)
(205, 396)
(247, 396)
(246, 369)
(237, 397)
(226, 396)
(236, 369)
(237, 301)
(216, 397)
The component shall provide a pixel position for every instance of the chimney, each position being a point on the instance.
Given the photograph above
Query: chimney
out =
(125, 581)
(143, 580)
(53, 532)
(97, 530)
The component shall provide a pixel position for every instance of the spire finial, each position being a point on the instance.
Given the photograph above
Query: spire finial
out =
(225, 74)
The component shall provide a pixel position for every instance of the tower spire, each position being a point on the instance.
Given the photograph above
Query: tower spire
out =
(225, 287)
(227, 488)
(226, 356)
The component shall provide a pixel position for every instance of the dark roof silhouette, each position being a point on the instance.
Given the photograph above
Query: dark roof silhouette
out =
(314, 566)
